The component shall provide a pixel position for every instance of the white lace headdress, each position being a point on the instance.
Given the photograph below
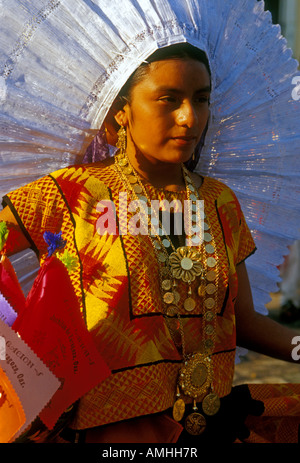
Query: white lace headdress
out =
(62, 63)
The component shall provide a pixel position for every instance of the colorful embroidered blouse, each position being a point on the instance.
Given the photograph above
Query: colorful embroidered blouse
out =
(118, 286)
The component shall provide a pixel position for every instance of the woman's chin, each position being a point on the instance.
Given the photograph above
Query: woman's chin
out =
(168, 157)
(179, 158)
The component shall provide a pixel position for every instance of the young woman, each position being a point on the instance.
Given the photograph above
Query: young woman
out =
(166, 313)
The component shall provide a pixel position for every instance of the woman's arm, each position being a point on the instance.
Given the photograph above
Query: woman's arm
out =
(16, 240)
(258, 332)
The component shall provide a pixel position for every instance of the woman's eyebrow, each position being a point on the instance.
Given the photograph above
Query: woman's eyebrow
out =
(164, 88)
(206, 89)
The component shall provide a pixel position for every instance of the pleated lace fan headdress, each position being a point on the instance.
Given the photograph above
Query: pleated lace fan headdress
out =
(63, 62)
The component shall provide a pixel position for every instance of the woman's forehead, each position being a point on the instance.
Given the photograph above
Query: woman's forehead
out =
(175, 73)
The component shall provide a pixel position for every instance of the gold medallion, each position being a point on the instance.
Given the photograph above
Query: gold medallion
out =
(209, 330)
(211, 275)
(122, 162)
(199, 375)
(195, 375)
(208, 344)
(137, 188)
(162, 257)
(186, 263)
(168, 298)
(166, 285)
(211, 288)
(211, 404)
(209, 249)
(209, 316)
(171, 311)
(201, 290)
(127, 170)
(178, 410)
(207, 237)
(164, 272)
(157, 244)
(209, 303)
(195, 240)
(189, 304)
(211, 262)
(195, 424)
(132, 179)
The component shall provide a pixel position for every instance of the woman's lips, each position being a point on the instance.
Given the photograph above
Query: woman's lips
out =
(184, 140)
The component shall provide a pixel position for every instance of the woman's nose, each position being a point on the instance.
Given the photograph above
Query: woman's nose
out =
(186, 115)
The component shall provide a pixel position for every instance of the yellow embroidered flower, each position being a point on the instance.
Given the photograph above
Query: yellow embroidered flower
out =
(185, 264)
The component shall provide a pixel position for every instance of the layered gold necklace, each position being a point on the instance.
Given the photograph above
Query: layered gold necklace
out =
(195, 265)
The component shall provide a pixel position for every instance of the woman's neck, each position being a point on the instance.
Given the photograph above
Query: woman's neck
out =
(159, 174)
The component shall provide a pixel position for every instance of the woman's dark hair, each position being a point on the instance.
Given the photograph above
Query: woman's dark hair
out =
(176, 51)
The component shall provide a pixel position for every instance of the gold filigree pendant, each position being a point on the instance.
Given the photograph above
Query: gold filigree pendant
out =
(185, 264)
(195, 375)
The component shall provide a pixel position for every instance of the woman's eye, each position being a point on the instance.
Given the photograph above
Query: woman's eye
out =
(168, 99)
(202, 99)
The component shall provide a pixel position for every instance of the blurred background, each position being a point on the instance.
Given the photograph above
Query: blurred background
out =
(287, 14)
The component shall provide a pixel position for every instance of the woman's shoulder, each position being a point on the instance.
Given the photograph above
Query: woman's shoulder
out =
(75, 171)
(221, 195)
(212, 186)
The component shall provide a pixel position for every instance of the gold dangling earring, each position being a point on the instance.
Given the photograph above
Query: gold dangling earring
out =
(193, 156)
(122, 140)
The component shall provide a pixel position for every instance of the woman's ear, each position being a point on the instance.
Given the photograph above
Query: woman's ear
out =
(116, 117)
(121, 117)
(117, 114)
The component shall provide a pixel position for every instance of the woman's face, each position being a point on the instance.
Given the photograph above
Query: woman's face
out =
(168, 111)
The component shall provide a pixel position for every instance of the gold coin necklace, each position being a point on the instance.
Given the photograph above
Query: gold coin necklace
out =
(196, 262)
